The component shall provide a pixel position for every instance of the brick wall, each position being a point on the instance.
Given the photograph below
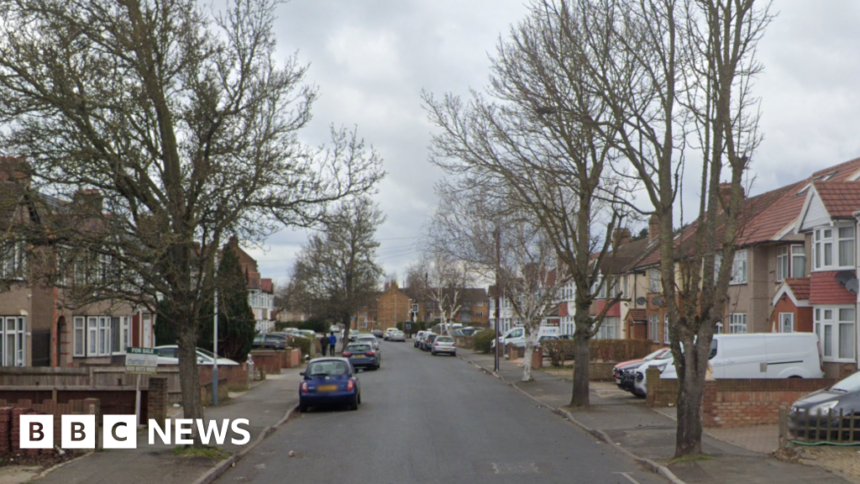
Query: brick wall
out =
(10, 420)
(268, 361)
(737, 403)
(156, 400)
(236, 375)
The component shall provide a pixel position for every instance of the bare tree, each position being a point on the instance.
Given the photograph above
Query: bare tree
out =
(442, 280)
(538, 139)
(676, 76)
(337, 273)
(183, 127)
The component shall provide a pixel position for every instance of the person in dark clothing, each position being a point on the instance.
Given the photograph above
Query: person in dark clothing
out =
(323, 344)
(332, 341)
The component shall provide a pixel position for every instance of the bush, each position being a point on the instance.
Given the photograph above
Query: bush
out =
(482, 341)
(558, 351)
(618, 349)
(304, 344)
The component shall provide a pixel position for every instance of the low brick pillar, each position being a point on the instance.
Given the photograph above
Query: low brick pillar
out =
(156, 400)
(268, 361)
(537, 358)
(295, 358)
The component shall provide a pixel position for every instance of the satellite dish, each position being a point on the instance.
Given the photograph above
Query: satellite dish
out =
(853, 285)
(641, 301)
(842, 277)
(656, 301)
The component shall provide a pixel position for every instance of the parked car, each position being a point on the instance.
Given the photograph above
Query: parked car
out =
(367, 339)
(388, 331)
(419, 337)
(270, 341)
(305, 333)
(329, 381)
(377, 332)
(620, 369)
(396, 336)
(362, 355)
(640, 382)
(819, 408)
(763, 355)
(169, 355)
(517, 336)
(443, 344)
(429, 338)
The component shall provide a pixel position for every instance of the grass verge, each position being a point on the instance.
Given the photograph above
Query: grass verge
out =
(206, 452)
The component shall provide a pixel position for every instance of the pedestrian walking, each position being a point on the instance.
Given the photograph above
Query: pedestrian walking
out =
(324, 344)
(332, 340)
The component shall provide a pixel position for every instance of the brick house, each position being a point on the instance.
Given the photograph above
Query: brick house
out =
(261, 291)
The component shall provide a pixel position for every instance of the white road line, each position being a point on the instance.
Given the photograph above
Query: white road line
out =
(627, 475)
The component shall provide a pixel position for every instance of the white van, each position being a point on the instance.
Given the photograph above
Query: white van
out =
(517, 336)
(763, 355)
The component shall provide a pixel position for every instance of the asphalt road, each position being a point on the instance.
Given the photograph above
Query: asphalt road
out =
(427, 419)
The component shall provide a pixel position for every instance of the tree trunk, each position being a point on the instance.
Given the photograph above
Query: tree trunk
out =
(688, 440)
(581, 357)
(527, 357)
(189, 377)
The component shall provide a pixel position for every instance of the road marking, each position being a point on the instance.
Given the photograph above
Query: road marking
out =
(517, 468)
(627, 475)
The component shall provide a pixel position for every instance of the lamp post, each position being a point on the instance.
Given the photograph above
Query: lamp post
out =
(215, 342)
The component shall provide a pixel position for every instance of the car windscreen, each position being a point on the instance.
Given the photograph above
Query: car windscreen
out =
(327, 368)
(367, 340)
(358, 348)
(444, 339)
(848, 385)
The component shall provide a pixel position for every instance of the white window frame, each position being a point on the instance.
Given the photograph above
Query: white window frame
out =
(786, 322)
(738, 324)
(654, 283)
(13, 333)
(740, 267)
(98, 341)
(847, 254)
(666, 329)
(821, 242)
(831, 318)
(783, 268)
(798, 267)
(79, 335)
(654, 328)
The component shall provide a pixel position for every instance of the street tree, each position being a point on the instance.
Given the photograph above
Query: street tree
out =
(337, 271)
(526, 140)
(677, 77)
(181, 127)
(236, 322)
(442, 280)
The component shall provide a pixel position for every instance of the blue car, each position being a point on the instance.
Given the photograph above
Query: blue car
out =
(329, 381)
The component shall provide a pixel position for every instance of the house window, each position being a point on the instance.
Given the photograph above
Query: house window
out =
(782, 268)
(738, 324)
(654, 327)
(798, 261)
(786, 322)
(666, 329)
(823, 248)
(654, 280)
(739, 267)
(14, 261)
(120, 336)
(718, 329)
(846, 246)
(12, 341)
(608, 329)
(835, 329)
(79, 336)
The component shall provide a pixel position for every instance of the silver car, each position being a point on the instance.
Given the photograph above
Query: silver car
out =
(396, 336)
(443, 345)
(368, 339)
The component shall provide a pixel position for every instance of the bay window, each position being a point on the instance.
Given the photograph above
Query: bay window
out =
(653, 280)
(654, 327)
(846, 246)
(92, 335)
(834, 326)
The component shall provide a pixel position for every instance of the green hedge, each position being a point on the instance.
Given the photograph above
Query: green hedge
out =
(304, 344)
(559, 351)
(481, 341)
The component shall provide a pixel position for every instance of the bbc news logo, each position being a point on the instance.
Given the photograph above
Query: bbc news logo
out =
(120, 431)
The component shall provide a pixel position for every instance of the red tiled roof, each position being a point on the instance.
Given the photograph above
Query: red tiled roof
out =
(841, 199)
(599, 304)
(562, 310)
(266, 285)
(770, 214)
(637, 315)
(825, 289)
(799, 287)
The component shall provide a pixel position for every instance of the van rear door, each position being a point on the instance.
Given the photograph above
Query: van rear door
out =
(794, 355)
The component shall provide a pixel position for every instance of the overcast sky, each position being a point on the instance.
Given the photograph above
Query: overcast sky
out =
(371, 59)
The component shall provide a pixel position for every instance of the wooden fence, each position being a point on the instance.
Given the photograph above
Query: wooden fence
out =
(837, 427)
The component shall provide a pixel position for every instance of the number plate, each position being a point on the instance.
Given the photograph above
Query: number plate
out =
(358, 356)
(327, 388)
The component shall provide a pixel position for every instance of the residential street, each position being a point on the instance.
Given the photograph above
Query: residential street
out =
(426, 419)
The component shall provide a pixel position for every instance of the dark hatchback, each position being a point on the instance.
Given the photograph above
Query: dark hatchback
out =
(270, 341)
(362, 355)
(429, 338)
(821, 410)
(329, 381)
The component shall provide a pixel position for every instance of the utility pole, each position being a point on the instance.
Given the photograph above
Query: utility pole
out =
(215, 339)
(497, 235)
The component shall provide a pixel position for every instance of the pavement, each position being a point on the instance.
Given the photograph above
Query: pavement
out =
(264, 405)
(650, 434)
(426, 419)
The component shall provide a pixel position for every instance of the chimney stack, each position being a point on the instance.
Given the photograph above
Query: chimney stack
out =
(726, 195)
(620, 236)
(653, 227)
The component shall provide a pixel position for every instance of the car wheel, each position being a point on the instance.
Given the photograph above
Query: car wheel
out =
(303, 408)
(354, 404)
(454, 354)
(433, 353)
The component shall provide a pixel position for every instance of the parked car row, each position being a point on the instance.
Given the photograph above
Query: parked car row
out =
(435, 344)
(736, 356)
(517, 336)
